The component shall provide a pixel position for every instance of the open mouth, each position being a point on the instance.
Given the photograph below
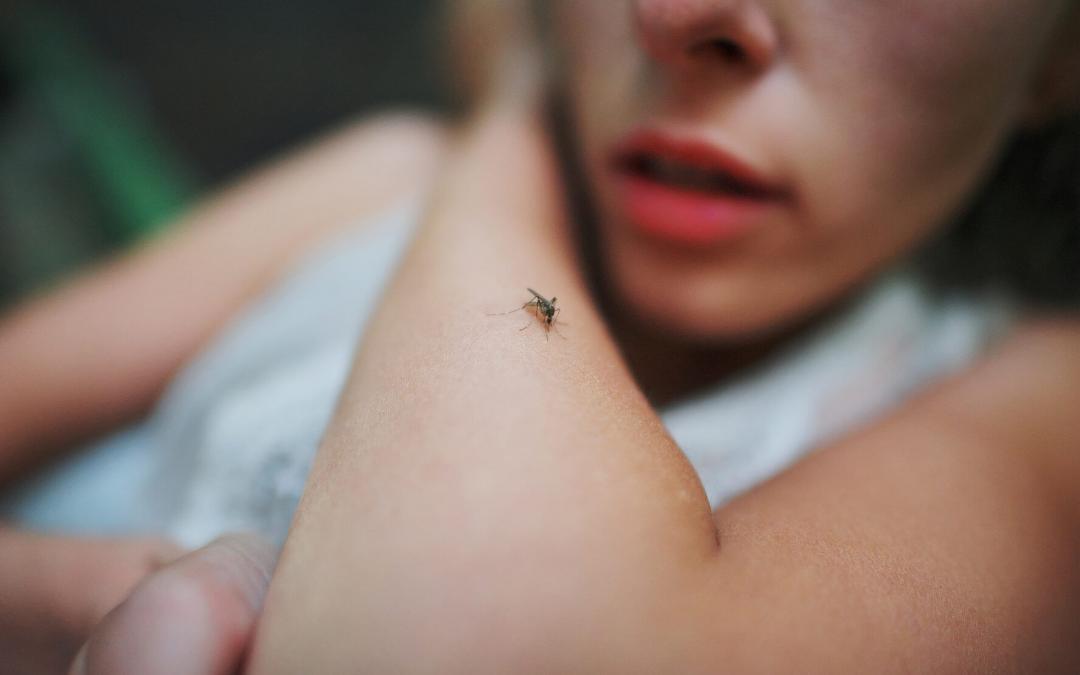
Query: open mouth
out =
(692, 165)
(691, 192)
(686, 176)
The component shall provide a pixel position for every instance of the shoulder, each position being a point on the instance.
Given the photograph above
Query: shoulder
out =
(355, 171)
(1008, 424)
(947, 532)
(1023, 399)
(1023, 395)
(411, 139)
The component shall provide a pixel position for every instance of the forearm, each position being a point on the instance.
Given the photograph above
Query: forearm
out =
(488, 501)
(96, 354)
(478, 478)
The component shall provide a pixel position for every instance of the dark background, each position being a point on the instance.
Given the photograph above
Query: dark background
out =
(212, 88)
(231, 80)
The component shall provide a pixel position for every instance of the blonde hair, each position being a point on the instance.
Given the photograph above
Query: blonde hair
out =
(491, 42)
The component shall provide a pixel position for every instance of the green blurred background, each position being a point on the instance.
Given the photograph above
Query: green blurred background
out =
(115, 115)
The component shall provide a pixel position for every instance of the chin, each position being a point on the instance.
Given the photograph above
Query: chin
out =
(691, 321)
(712, 303)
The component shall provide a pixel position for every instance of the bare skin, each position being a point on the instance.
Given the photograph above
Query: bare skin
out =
(213, 261)
(925, 544)
(55, 590)
(128, 326)
(194, 617)
(563, 531)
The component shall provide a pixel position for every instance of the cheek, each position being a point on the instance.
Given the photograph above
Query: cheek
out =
(884, 114)
(905, 106)
(603, 66)
(595, 36)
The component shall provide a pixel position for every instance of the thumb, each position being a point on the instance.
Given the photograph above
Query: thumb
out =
(195, 616)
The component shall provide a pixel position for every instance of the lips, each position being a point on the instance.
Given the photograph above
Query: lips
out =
(690, 192)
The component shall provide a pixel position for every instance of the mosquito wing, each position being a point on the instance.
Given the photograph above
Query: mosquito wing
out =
(539, 297)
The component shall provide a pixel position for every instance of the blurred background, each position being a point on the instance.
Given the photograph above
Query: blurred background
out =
(117, 114)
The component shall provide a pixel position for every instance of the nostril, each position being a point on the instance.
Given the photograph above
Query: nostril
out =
(693, 34)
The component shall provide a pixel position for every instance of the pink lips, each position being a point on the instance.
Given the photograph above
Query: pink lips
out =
(688, 192)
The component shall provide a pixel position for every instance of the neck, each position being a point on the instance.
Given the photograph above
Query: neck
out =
(669, 369)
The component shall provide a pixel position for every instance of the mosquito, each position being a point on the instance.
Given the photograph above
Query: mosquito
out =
(545, 309)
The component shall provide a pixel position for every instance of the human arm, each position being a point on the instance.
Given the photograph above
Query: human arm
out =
(96, 353)
(488, 501)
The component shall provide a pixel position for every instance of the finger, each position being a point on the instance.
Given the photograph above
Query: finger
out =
(55, 589)
(194, 617)
(110, 569)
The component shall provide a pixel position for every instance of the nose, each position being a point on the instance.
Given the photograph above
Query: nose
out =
(698, 33)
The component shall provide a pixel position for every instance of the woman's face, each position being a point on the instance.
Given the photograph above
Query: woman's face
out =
(753, 160)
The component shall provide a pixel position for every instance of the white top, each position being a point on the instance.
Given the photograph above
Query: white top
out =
(230, 445)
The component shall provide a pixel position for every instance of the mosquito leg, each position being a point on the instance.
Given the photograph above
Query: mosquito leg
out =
(554, 324)
(515, 311)
(505, 313)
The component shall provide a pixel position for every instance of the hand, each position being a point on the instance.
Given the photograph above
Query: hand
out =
(193, 617)
(54, 590)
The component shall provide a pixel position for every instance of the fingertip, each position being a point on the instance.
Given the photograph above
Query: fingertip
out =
(247, 561)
